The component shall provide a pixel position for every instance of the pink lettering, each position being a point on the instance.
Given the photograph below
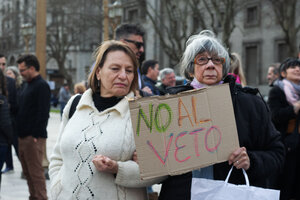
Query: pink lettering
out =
(180, 147)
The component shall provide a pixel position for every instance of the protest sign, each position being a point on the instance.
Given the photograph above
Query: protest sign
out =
(175, 134)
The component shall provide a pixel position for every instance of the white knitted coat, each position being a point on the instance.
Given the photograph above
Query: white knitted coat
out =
(88, 133)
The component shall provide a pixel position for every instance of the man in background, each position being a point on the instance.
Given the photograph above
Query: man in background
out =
(273, 73)
(32, 120)
(64, 96)
(150, 72)
(168, 79)
(132, 35)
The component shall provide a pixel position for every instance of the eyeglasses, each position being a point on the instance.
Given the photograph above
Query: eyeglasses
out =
(23, 70)
(137, 44)
(203, 60)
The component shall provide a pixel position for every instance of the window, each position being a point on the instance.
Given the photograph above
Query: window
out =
(252, 63)
(252, 16)
(18, 6)
(219, 22)
(133, 15)
(282, 50)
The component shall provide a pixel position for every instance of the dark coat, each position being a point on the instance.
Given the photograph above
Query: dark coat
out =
(162, 89)
(33, 113)
(6, 133)
(256, 132)
(12, 96)
(151, 84)
(282, 111)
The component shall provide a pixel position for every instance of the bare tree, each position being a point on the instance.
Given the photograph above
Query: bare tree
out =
(68, 31)
(173, 22)
(285, 12)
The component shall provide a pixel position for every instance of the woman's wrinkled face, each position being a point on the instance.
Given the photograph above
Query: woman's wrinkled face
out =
(209, 73)
(116, 75)
(293, 74)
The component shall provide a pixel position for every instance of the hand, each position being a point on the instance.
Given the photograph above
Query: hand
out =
(147, 89)
(240, 158)
(134, 157)
(105, 164)
(296, 107)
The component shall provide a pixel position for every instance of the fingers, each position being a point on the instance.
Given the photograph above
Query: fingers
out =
(134, 157)
(239, 158)
(105, 164)
(147, 89)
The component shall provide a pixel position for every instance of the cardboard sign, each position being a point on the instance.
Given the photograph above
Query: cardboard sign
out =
(175, 134)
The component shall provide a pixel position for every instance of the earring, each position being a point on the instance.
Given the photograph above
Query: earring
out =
(98, 83)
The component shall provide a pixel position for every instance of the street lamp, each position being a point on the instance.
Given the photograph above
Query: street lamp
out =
(27, 31)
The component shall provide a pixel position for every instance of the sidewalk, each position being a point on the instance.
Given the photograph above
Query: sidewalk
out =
(15, 188)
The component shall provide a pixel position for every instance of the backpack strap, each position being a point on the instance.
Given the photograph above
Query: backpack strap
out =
(74, 105)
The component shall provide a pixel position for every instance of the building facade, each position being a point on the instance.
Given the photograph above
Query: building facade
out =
(257, 35)
(77, 25)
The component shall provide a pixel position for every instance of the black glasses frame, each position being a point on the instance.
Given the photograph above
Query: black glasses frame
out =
(137, 44)
(213, 59)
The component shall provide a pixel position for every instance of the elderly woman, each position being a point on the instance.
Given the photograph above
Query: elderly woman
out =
(205, 62)
(284, 102)
(92, 158)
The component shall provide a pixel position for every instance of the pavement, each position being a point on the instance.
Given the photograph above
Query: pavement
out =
(15, 188)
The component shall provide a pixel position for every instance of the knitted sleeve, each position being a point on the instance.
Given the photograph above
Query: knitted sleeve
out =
(56, 161)
(129, 173)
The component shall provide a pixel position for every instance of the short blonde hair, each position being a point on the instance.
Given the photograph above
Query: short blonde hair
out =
(100, 55)
(79, 88)
(236, 67)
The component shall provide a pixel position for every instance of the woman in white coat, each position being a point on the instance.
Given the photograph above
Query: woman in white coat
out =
(92, 158)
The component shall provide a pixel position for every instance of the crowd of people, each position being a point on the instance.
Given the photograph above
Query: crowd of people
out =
(94, 156)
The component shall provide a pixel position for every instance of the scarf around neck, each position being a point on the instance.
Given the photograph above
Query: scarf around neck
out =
(290, 89)
(196, 84)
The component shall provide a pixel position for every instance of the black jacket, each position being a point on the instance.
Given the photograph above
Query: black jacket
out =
(6, 133)
(282, 111)
(12, 96)
(33, 114)
(256, 132)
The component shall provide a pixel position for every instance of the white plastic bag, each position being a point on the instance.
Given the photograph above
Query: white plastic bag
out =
(205, 189)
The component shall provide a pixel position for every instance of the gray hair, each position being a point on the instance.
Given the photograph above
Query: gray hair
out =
(205, 41)
(164, 72)
(15, 70)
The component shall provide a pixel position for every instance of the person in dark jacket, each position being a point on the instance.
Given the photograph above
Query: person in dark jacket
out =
(32, 120)
(168, 79)
(13, 108)
(284, 102)
(150, 72)
(5, 122)
(261, 151)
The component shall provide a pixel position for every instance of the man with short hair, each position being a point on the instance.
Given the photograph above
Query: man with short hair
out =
(168, 79)
(150, 72)
(32, 120)
(132, 35)
(273, 73)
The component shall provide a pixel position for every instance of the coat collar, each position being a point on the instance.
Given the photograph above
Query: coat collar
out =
(87, 101)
